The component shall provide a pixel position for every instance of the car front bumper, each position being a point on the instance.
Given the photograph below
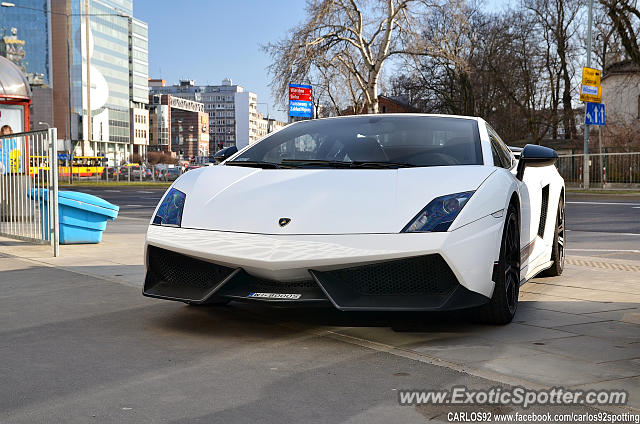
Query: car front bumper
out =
(353, 271)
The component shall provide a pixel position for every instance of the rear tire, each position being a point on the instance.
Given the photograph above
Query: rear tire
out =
(559, 240)
(504, 302)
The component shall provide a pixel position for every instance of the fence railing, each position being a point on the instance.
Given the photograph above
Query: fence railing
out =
(29, 187)
(606, 170)
(125, 173)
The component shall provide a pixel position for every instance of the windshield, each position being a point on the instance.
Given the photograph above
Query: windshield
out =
(368, 142)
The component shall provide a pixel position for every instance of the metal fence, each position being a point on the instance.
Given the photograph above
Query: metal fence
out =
(606, 170)
(29, 187)
(124, 173)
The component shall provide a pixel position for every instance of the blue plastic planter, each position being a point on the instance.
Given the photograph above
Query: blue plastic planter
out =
(83, 217)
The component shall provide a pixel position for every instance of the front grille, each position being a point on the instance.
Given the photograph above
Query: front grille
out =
(172, 274)
(423, 275)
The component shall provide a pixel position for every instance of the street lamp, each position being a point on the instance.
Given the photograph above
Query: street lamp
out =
(266, 103)
(7, 4)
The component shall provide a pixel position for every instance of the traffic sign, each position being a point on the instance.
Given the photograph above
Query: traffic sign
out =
(595, 114)
(590, 93)
(591, 76)
(300, 100)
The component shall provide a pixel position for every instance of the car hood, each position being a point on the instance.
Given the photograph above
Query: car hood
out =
(317, 201)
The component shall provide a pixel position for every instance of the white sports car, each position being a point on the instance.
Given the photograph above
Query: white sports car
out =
(370, 212)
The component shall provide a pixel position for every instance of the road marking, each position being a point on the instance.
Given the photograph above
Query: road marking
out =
(604, 232)
(604, 265)
(604, 203)
(142, 191)
(134, 206)
(113, 191)
(604, 250)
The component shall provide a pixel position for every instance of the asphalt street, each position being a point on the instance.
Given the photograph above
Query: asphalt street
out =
(80, 344)
(602, 225)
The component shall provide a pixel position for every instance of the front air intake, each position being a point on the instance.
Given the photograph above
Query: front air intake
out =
(422, 282)
(174, 276)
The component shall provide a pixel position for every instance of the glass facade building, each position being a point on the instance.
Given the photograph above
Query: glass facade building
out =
(24, 39)
(49, 40)
(139, 60)
(108, 72)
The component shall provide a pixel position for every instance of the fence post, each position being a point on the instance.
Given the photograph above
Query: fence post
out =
(580, 174)
(53, 192)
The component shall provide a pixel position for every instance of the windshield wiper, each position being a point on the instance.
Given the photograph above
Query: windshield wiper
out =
(380, 164)
(254, 164)
(346, 164)
(316, 162)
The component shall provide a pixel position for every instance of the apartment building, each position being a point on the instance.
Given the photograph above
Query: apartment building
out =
(233, 111)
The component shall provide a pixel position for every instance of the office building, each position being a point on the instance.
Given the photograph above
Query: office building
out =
(233, 111)
(138, 85)
(49, 39)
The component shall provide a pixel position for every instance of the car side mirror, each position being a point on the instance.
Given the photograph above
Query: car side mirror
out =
(221, 158)
(225, 154)
(534, 155)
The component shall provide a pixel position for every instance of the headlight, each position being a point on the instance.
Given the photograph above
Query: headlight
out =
(438, 214)
(170, 210)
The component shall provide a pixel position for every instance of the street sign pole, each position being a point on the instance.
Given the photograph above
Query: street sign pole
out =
(600, 155)
(586, 127)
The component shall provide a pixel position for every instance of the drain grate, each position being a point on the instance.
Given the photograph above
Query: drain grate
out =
(604, 265)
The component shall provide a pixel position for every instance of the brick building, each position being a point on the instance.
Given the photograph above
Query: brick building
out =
(179, 126)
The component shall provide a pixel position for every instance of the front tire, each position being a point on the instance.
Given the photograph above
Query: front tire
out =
(559, 239)
(503, 304)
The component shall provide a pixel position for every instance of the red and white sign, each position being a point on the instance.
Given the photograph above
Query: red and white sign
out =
(300, 92)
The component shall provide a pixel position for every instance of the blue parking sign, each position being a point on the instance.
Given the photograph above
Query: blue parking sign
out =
(595, 114)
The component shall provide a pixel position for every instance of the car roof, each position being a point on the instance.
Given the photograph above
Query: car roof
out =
(378, 115)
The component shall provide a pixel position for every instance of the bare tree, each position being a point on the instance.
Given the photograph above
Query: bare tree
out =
(624, 15)
(335, 89)
(521, 72)
(357, 35)
(558, 21)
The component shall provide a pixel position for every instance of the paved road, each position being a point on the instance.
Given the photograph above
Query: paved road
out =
(79, 348)
(599, 225)
(604, 225)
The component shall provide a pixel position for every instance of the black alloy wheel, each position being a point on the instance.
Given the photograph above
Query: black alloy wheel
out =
(504, 302)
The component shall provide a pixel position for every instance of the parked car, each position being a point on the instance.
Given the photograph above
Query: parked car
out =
(135, 171)
(170, 174)
(111, 173)
(372, 212)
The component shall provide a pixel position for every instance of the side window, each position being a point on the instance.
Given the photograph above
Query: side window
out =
(505, 159)
(494, 152)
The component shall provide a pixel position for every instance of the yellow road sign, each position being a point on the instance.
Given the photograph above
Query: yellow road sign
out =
(590, 76)
(591, 93)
